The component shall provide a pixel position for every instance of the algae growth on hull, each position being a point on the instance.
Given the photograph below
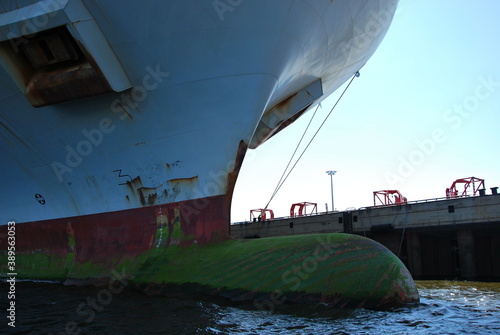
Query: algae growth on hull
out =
(339, 270)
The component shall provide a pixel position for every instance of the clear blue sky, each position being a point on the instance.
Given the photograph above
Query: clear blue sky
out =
(424, 112)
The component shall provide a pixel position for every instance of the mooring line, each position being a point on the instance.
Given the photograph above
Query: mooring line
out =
(282, 180)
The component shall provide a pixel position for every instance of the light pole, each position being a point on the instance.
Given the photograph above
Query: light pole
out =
(331, 173)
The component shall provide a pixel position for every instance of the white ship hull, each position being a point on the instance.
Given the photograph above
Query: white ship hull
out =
(178, 91)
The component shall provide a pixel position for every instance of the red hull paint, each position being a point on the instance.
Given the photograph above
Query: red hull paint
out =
(109, 237)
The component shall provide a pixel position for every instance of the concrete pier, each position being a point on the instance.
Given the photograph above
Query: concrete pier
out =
(436, 239)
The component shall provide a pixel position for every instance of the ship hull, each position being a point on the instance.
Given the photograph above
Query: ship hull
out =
(188, 94)
(122, 132)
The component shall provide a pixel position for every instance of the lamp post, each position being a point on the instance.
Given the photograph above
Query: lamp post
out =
(331, 173)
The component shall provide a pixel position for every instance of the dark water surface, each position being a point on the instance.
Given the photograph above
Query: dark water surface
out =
(446, 308)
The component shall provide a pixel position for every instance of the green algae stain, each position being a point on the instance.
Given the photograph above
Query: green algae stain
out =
(176, 226)
(327, 264)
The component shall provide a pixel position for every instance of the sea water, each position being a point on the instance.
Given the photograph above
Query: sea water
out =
(446, 307)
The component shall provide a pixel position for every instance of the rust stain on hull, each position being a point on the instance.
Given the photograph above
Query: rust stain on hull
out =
(148, 196)
(233, 175)
(285, 112)
(285, 103)
(184, 180)
(46, 88)
(52, 68)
